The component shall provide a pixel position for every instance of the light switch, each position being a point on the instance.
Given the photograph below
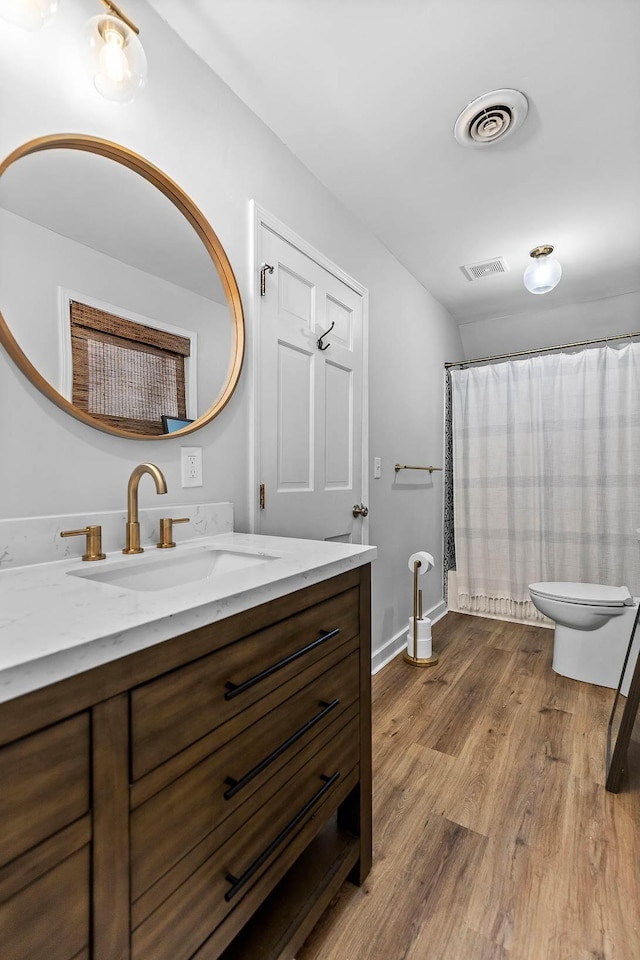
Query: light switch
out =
(377, 468)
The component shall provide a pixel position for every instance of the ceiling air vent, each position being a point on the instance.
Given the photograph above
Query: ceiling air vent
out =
(491, 117)
(484, 268)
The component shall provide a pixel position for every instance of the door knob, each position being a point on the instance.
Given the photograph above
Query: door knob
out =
(359, 510)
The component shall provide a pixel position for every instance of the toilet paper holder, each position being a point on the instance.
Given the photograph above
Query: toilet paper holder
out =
(418, 618)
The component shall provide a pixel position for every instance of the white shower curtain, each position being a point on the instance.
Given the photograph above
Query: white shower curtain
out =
(546, 454)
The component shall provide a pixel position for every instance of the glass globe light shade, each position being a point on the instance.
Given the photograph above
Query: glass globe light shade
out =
(542, 275)
(28, 14)
(115, 59)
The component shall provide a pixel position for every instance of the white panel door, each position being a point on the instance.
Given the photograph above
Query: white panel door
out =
(310, 401)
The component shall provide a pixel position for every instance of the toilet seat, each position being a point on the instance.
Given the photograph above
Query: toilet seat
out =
(593, 626)
(591, 594)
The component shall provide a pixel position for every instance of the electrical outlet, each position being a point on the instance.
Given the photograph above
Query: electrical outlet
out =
(191, 465)
(377, 468)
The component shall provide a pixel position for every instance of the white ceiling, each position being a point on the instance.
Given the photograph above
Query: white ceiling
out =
(366, 93)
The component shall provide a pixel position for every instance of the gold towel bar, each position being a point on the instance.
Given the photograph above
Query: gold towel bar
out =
(405, 466)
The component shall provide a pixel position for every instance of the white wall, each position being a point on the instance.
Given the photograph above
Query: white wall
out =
(546, 327)
(189, 124)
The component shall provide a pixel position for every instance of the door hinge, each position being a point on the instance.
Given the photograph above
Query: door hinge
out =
(262, 497)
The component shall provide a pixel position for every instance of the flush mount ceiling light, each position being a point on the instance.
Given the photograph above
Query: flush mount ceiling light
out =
(491, 117)
(28, 14)
(116, 59)
(544, 273)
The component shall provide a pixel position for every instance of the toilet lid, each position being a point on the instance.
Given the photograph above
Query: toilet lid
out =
(594, 594)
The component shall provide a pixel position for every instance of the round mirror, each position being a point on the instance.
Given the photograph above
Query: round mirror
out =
(118, 300)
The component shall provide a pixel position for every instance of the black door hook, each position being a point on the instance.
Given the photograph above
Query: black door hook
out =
(321, 338)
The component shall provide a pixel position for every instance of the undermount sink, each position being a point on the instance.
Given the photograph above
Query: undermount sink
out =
(161, 572)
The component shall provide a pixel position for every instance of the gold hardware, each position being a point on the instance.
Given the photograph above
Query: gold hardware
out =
(405, 466)
(263, 279)
(133, 525)
(421, 661)
(117, 12)
(416, 566)
(415, 660)
(166, 531)
(262, 496)
(542, 251)
(359, 510)
(94, 541)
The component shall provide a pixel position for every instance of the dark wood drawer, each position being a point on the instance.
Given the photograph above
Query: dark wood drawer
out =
(49, 919)
(184, 920)
(44, 785)
(178, 817)
(174, 711)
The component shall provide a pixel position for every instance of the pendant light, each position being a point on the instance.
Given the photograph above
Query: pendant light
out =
(544, 273)
(28, 14)
(116, 59)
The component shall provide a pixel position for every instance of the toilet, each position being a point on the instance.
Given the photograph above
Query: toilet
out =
(593, 628)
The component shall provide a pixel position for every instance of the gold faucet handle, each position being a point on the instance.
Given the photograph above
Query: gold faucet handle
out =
(94, 541)
(166, 531)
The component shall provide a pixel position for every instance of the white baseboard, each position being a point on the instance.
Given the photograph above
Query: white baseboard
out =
(396, 644)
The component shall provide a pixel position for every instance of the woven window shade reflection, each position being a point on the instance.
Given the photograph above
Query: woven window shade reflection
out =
(130, 383)
(126, 373)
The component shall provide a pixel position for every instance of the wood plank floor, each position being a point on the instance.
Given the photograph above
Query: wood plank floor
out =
(494, 836)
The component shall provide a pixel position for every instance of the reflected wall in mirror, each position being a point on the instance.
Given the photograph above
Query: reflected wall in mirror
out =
(623, 734)
(118, 300)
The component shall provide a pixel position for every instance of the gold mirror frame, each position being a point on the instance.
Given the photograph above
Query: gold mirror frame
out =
(177, 196)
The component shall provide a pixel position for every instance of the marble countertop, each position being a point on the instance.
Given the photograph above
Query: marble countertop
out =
(55, 621)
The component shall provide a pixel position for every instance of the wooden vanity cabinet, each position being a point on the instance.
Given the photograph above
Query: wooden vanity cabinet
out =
(45, 834)
(201, 799)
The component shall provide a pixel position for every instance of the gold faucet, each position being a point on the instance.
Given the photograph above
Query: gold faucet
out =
(133, 524)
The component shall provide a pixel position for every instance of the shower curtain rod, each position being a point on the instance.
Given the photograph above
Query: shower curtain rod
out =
(527, 353)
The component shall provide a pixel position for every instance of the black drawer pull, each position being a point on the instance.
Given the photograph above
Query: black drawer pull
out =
(239, 882)
(236, 785)
(233, 689)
